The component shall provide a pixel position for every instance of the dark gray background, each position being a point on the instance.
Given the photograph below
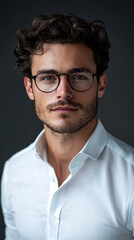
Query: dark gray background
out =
(19, 125)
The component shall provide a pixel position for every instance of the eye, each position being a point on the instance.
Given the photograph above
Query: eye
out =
(47, 77)
(78, 77)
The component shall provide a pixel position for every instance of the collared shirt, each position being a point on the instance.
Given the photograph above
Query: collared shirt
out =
(95, 202)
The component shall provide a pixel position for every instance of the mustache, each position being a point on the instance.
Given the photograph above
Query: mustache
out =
(63, 103)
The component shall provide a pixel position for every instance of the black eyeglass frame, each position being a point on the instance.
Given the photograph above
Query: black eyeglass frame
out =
(68, 77)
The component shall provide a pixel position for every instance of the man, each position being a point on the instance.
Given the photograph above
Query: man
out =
(76, 181)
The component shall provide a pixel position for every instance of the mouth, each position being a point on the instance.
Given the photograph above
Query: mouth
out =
(64, 109)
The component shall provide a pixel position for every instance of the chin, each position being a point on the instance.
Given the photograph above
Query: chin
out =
(66, 128)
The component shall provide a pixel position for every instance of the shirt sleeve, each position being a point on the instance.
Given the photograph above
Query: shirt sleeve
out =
(10, 230)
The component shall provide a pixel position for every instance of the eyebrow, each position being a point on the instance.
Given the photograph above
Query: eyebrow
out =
(72, 70)
(47, 71)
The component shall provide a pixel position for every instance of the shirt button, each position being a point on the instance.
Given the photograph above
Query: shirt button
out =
(52, 179)
(54, 219)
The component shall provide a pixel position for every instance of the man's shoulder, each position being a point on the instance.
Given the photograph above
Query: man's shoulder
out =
(22, 156)
(28, 152)
(121, 148)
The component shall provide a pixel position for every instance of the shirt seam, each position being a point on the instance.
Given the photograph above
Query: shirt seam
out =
(119, 154)
(131, 211)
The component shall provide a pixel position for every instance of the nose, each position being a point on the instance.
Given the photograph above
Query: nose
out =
(64, 90)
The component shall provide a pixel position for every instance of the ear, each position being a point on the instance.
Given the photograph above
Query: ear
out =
(28, 86)
(102, 85)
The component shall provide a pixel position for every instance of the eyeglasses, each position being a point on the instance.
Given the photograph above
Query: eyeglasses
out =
(79, 81)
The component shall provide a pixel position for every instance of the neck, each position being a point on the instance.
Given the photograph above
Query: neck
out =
(62, 148)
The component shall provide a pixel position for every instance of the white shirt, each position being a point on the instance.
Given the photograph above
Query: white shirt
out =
(96, 202)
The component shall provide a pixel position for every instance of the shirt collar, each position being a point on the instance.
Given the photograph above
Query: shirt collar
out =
(93, 147)
(96, 143)
(40, 145)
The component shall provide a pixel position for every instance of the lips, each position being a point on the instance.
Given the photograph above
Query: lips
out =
(64, 109)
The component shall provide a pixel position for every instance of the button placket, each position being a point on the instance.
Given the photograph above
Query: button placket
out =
(56, 216)
(55, 205)
(53, 186)
(54, 221)
(53, 209)
(53, 218)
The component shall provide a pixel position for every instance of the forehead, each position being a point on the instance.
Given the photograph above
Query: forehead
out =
(62, 57)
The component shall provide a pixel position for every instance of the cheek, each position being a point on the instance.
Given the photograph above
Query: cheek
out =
(42, 100)
(89, 96)
(40, 109)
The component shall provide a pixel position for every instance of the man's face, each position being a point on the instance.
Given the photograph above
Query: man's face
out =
(65, 110)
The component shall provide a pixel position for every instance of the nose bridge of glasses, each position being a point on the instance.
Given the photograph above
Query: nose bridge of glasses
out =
(64, 80)
(63, 74)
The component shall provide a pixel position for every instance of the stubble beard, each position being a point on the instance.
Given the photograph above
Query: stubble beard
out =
(89, 113)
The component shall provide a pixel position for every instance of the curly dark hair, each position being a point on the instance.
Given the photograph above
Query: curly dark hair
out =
(61, 28)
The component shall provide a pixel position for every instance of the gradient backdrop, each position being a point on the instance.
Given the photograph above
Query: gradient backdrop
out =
(19, 125)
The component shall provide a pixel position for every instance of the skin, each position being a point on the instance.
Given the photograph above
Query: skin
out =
(69, 117)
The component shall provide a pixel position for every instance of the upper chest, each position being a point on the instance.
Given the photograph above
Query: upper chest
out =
(91, 198)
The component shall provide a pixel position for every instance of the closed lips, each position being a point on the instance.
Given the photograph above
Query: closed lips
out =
(64, 108)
